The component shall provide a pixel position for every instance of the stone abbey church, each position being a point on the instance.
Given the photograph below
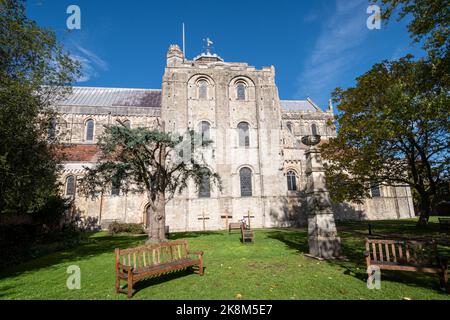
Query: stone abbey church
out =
(257, 148)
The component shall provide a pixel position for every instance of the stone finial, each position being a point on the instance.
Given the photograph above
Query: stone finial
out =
(174, 49)
(174, 55)
(330, 106)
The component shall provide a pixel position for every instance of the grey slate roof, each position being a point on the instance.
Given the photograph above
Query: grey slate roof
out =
(297, 105)
(113, 97)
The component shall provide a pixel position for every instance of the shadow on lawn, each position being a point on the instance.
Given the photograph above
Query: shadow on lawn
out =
(147, 283)
(90, 247)
(354, 265)
(93, 247)
(196, 234)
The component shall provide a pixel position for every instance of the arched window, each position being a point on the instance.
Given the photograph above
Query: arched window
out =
(70, 186)
(90, 130)
(245, 175)
(244, 134)
(289, 126)
(291, 181)
(314, 129)
(202, 90)
(375, 190)
(115, 187)
(51, 130)
(204, 131)
(240, 91)
(204, 187)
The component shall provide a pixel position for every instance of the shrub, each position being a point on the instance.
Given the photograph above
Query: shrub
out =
(134, 228)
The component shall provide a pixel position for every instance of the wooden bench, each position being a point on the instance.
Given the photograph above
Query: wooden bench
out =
(234, 226)
(444, 223)
(247, 234)
(149, 261)
(407, 256)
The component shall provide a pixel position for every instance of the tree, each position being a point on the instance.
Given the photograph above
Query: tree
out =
(394, 129)
(430, 20)
(34, 72)
(430, 23)
(152, 161)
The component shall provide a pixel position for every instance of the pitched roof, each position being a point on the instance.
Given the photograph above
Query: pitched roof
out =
(112, 97)
(299, 105)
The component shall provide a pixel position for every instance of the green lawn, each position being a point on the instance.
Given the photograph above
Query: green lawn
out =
(274, 267)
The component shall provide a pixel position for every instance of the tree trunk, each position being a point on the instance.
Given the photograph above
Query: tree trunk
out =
(424, 210)
(157, 222)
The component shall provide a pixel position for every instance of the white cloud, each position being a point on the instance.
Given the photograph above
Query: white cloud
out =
(90, 62)
(335, 50)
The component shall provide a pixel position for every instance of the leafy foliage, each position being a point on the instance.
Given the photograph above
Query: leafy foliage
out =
(34, 72)
(149, 161)
(394, 129)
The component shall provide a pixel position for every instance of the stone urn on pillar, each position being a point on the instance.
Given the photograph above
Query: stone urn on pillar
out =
(322, 233)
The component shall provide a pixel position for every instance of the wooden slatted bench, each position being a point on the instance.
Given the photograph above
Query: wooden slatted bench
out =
(444, 223)
(407, 256)
(247, 234)
(154, 260)
(234, 226)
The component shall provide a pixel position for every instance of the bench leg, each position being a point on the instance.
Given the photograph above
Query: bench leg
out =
(200, 267)
(117, 284)
(130, 285)
(444, 281)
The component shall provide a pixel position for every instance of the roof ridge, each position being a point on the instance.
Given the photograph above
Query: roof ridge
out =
(86, 87)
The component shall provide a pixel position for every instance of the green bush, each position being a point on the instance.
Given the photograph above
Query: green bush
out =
(134, 228)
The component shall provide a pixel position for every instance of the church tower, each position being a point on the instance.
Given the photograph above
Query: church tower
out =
(236, 106)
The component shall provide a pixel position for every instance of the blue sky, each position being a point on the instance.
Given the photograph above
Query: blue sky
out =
(315, 46)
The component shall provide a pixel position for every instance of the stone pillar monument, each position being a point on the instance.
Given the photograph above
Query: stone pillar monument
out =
(322, 234)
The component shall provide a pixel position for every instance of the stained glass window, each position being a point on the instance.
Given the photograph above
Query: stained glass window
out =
(240, 91)
(51, 130)
(375, 190)
(314, 129)
(244, 134)
(89, 130)
(205, 130)
(291, 181)
(204, 188)
(70, 186)
(246, 182)
(202, 90)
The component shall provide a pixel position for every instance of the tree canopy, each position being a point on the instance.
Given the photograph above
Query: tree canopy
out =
(34, 72)
(151, 161)
(394, 129)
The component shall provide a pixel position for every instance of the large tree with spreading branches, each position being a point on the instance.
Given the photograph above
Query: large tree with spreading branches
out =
(34, 73)
(151, 161)
(394, 129)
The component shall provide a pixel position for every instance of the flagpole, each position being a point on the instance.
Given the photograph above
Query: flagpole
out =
(184, 42)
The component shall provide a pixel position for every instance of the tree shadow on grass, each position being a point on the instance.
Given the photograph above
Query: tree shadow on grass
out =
(293, 239)
(354, 263)
(147, 283)
(195, 234)
(92, 247)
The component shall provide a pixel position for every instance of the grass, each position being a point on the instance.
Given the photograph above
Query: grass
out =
(274, 267)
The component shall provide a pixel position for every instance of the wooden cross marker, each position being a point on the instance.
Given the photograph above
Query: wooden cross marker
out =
(226, 216)
(248, 216)
(203, 217)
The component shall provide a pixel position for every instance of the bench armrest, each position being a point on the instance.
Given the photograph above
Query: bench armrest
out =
(125, 268)
(199, 253)
(366, 254)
